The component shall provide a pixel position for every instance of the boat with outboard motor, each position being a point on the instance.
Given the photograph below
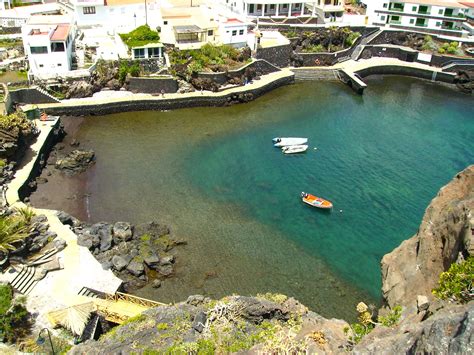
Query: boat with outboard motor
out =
(293, 149)
(315, 201)
(285, 141)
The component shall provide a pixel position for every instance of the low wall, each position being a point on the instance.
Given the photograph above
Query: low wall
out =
(278, 55)
(407, 71)
(439, 60)
(30, 96)
(168, 104)
(261, 67)
(153, 85)
(389, 52)
(41, 156)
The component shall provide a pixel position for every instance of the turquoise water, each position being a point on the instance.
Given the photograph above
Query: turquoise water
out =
(213, 175)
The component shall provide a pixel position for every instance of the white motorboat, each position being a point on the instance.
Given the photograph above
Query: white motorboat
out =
(293, 149)
(285, 141)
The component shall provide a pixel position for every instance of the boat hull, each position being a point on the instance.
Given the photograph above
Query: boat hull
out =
(294, 149)
(283, 142)
(315, 201)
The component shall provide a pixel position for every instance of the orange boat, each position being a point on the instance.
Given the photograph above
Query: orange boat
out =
(315, 201)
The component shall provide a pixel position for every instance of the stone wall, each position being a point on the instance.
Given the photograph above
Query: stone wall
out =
(278, 56)
(153, 85)
(388, 52)
(438, 60)
(168, 104)
(30, 96)
(407, 71)
(261, 67)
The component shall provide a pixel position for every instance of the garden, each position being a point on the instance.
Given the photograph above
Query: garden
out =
(324, 40)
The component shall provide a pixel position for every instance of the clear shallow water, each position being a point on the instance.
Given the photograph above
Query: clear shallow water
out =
(213, 175)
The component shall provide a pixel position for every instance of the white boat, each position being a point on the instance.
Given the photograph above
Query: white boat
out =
(292, 149)
(285, 141)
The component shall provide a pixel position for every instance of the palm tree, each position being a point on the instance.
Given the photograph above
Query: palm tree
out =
(12, 230)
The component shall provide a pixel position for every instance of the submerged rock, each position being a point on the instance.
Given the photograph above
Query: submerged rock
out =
(75, 162)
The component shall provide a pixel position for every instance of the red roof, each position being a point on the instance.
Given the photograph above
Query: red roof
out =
(233, 20)
(468, 4)
(60, 33)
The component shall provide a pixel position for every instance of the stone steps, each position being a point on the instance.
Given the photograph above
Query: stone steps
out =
(25, 280)
(313, 74)
(85, 291)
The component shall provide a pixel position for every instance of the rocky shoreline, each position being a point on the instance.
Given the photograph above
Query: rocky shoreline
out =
(136, 254)
(273, 323)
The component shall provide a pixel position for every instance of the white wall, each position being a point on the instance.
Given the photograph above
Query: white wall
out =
(227, 37)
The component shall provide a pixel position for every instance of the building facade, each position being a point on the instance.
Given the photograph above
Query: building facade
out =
(445, 17)
(325, 10)
(49, 44)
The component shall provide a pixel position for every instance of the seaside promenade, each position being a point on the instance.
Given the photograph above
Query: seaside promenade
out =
(106, 101)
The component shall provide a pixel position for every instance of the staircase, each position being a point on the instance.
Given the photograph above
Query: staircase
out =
(85, 291)
(313, 74)
(371, 37)
(25, 280)
(357, 52)
(50, 97)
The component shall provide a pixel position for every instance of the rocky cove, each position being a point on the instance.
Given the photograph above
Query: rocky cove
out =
(270, 323)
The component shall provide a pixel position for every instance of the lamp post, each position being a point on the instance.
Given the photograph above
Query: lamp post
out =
(41, 339)
(135, 20)
(146, 13)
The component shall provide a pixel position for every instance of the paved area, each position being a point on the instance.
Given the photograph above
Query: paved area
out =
(124, 97)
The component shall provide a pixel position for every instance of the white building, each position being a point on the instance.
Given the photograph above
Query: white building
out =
(469, 24)
(19, 15)
(233, 31)
(445, 17)
(123, 15)
(48, 43)
(325, 10)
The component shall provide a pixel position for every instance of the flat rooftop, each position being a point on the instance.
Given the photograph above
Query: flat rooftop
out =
(60, 33)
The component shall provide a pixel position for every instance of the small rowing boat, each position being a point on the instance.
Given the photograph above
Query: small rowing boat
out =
(315, 201)
(284, 141)
(293, 149)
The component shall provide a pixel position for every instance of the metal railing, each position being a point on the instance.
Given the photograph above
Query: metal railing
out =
(119, 296)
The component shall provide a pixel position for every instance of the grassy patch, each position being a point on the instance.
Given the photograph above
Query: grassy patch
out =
(6, 296)
(140, 36)
(10, 43)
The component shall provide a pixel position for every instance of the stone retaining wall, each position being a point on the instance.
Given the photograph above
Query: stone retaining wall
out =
(153, 85)
(168, 104)
(30, 96)
(389, 52)
(278, 55)
(261, 67)
(407, 71)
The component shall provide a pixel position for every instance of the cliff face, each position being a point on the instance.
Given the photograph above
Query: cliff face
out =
(446, 230)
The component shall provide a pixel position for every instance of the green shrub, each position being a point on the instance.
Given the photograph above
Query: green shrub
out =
(3, 162)
(456, 284)
(125, 68)
(318, 48)
(351, 38)
(392, 318)
(140, 36)
(14, 317)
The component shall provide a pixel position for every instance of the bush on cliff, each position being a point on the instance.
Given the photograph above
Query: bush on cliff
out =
(16, 123)
(14, 317)
(456, 284)
(13, 229)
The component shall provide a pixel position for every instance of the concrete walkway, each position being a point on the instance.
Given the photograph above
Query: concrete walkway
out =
(126, 97)
(79, 268)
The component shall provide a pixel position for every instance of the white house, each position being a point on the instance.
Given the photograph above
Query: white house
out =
(469, 24)
(445, 17)
(325, 10)
(15, 17)
(233, 31)
(123, 15)
(48, 43)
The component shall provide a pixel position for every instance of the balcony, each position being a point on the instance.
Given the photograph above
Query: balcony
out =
(393, 22)
(421, 24)
(426, 12)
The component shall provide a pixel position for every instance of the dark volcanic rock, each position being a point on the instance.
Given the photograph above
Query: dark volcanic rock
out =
(119, 262)
(136, 268)
(104, 232)
(75, 162)
(122, 232)
(199, 321)
(256, 310)
(153, 229)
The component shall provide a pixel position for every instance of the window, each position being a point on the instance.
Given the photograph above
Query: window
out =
(88, 10)
(413, 8)
(440, 11)
(272, 7)
(259, 7)
(382, 18)
(412, 21)
(234, 33)
(139, 53)
(251, 8)
(384, 6)
(39, 50)
(57, 47)
(41, 65)
(210, 32)
(153, 52)
(60, 65)
(448, 12)
(165, 22)
(241, 32)
(438, 24)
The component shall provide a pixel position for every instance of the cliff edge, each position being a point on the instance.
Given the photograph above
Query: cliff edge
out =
(445, 234)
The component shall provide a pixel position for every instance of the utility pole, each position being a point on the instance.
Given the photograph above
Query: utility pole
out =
(146, 13)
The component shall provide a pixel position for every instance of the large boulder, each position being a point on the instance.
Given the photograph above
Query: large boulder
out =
(119, 262)
(414, 267)
(122, 232)
(75, 162)
(79, 89)
(136, 268)
(153, 229)
(104, 232)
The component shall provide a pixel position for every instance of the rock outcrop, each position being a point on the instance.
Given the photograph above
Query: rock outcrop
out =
(414, 267)
(76, 162)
